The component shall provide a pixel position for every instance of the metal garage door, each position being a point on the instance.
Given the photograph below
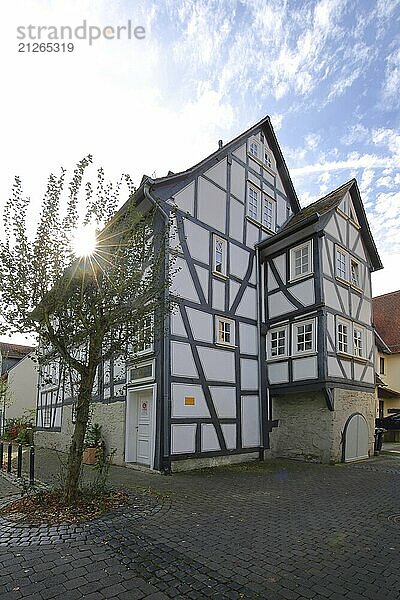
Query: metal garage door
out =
(355, 438)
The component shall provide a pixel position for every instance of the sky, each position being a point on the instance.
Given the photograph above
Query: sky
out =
(326, 71)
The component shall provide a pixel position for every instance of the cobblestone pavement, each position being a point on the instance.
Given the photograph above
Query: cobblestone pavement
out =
(273, 531)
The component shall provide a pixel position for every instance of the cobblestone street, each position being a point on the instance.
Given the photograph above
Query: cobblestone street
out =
(274, 531)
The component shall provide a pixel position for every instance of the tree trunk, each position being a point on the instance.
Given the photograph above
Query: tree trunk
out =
(71, 483)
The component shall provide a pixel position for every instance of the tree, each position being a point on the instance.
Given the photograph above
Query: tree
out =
(84, 308)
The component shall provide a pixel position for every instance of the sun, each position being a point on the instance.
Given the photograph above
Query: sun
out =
(84, 241)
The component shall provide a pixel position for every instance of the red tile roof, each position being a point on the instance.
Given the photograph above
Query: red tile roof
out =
(386, 311)
(14, 350)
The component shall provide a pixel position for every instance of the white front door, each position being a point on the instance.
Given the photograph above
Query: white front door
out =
(139, 427)
(143, 437)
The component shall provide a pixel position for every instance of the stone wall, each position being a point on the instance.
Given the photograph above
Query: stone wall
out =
(308, 430)
(110, 416)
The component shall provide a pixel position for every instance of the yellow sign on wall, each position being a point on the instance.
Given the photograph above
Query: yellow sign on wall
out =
(190, 401)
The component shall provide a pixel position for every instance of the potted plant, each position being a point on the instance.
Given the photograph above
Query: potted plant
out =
(94, 448)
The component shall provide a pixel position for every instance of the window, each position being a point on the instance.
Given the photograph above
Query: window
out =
(301, 260)
(254, 148)
(144, 336)
(268, 159)
(252, 203)
(268, 216)
(277, 343)
(303, 337)
(342, 337)
(341, 263)
(355, 272)
(225, 331)
(358, 339)
(381, 366)
(143, 372)
(220, 247)
(47, 416)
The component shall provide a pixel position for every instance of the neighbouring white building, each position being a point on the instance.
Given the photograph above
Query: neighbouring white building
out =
(271, 349)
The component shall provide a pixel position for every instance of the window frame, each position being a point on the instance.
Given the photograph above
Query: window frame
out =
(292, 260)
(263, 152)
(349, 336)
(345, 253)
(150, 348)
(133, 382)
(354, 261)
(223, 272)
(265, 199)
(277, 330)
(361, 330)
(219, 342)
(251, 186)
(295, 324)
(382, 363)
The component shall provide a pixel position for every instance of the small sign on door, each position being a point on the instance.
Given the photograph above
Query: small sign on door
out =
(144, 407)
(190, 401)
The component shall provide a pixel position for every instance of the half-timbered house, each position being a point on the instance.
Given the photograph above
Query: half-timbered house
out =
(269, 350)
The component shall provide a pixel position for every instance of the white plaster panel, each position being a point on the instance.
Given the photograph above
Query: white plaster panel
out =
(369, 375)
(330, 321)
(325, 262)
(209, 439)
(271, 281)
(182, 362)
(218, 173)
(365, 312)
(342, 223)
(281, 211)
(248, 339)
(182, 283)
(359, 249)
(346, 364)
(358, 370)
(197, 239)
(304, 292)
(278, 304)
(332, 229)
(236, 220)
(185, 198)
(178, 407)
(344, 294)
(279, 184)
(354, 301)
(240, 153)
(353, 235)
(269, 177)
(305, 368)
(278, 372)
(183, 438)
(233, 290)
(255, 166)
(224, 399)
(252, 234)
(119, 390)
(239, 261)
(238, 181)
(330, 295)
(254, 178)
(203, 278)
(218, 294)
(177, 326)
(57, 417)
(211, 205)
(201, 325)
(248, 304)
(249, 374)
(218, 365)
(253, 276)
(370, 342)
(229, 431)
(280, 264)
(333, 367)
(250, 421)
(119, 367)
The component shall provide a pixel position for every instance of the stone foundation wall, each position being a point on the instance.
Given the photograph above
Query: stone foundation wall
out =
(308, 430)
(110, 416)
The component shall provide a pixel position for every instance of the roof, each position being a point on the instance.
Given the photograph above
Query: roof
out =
(381, 344)
(386, 315)
(321, 206)
(212, 159)
(325, 205)
(14, 350)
